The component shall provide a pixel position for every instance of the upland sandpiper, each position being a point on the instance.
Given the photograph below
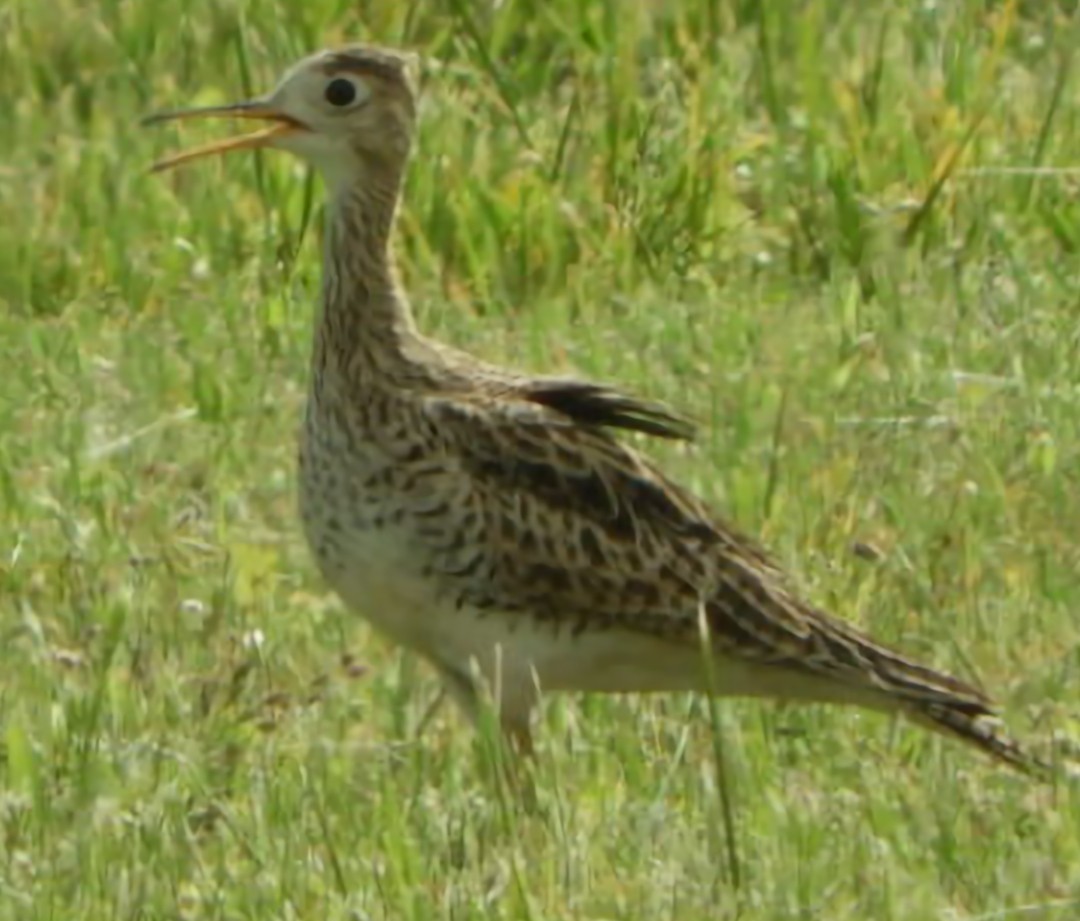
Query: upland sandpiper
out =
(491, 521)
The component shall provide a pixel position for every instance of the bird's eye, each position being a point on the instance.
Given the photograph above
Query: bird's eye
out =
(340, 92)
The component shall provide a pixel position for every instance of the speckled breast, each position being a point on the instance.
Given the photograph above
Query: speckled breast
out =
(359, 534)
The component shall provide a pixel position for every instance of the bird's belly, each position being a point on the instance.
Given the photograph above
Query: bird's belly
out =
(369, 562)
(376, 572)
(520, 655)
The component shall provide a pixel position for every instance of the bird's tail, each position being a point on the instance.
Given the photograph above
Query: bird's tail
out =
(942, 702)
(887, 679)
(815, 656)
(975, 722)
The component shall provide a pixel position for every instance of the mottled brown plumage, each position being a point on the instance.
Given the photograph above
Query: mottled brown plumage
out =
(491, 521)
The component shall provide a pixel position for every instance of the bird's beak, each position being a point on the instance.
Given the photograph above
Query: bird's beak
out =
(280, 124)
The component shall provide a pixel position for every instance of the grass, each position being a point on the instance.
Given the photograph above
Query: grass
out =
(790, 219)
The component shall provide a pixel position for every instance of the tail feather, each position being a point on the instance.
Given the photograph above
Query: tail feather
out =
(978, 725)
(931, 698)
(815, 656)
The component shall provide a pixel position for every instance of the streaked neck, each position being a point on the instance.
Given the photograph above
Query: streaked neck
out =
(366, 324)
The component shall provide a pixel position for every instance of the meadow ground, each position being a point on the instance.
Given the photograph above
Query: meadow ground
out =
(794, 220)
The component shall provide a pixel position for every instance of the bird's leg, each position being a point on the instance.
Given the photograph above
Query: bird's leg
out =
(461, 688)
(430, 711)
(514, 714)
(517, 729)
(515, 739)
(518, 755)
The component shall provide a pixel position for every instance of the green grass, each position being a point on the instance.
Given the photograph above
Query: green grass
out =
(770, 215)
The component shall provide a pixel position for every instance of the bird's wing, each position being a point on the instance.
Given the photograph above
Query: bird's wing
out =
(570, 527)
(597, 405)
(574, 528)
(589, 404)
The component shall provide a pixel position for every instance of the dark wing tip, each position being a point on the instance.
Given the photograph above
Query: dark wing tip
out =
(597, 405)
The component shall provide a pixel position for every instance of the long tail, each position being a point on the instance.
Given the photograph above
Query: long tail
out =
(753, 618)
(977, 724)
(826, 659)
(931, 698)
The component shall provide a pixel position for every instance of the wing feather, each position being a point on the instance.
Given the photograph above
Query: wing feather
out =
(600, 406)
(579, 529)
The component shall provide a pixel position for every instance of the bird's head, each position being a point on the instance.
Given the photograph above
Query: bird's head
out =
(348, 112)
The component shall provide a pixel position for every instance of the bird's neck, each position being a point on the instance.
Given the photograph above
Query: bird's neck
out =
(366, 327)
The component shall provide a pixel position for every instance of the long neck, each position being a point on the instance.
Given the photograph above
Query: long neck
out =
(366, 326)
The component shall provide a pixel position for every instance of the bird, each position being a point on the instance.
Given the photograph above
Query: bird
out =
(500, 524)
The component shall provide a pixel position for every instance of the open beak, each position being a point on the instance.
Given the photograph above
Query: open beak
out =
(279, 125)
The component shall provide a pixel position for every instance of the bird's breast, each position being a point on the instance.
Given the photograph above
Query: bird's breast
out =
(359, 524)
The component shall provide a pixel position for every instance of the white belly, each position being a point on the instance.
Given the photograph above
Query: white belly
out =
(378, 575)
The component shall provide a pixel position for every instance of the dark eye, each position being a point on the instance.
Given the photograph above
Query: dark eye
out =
(340, 92)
